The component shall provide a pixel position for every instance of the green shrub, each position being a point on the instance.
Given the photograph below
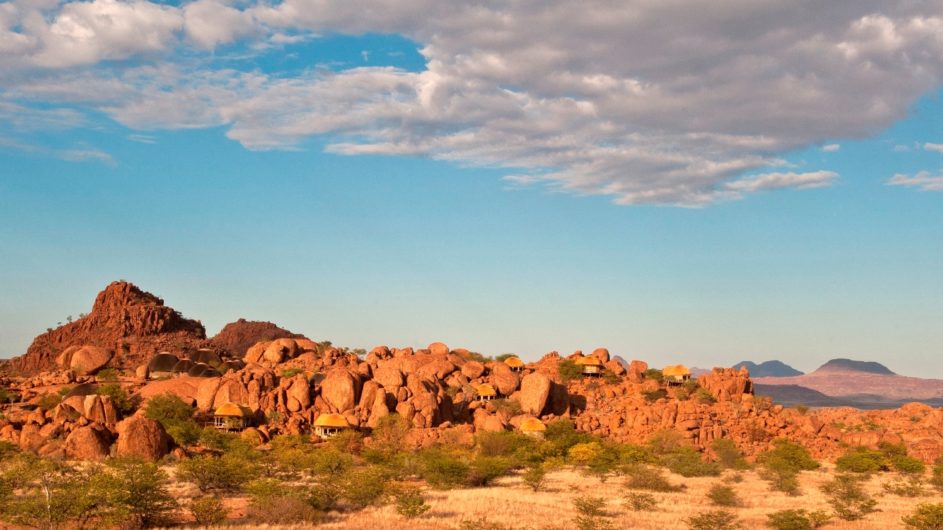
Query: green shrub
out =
(176, 416)
(649, 478)
(667, 441)
(654, 374)
(109, 375)
(640, 502)
(483, 523)
(848, 498)
(908, 464)
(796, 520)
(228, 472)
(35, 492)
(721, 495)
(714, 520)
(925, 517)
(535, 476)
(503, 357)
(561, 435)
(389, 436)
(508, 406)
(363, 486)
(291, 372)
(137, 492)
(347, 441)
(936, 479)
(728, 455)
(654, 395)
(503, 443)
(862, 460)
(410, 504)
(569, 371)
(704, 395)
(485, 469)
(687, 462)
(590, 514)
(119, 398)
(789, 456)
(283, 510)
(327, 462)
(443, 470)
(49, 401)
(207, 511)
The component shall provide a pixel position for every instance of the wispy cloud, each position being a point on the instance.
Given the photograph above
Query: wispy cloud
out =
(924, 181)
(831, 148)
(77, 154)
(142, 138)
(775, 181)
(933, 147)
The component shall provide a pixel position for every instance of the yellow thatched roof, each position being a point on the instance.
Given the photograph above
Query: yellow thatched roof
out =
(514, 362)
(233, 410)
(675, 370)
(533, 425)
(588, 361)
(331, 420)
(486, 390)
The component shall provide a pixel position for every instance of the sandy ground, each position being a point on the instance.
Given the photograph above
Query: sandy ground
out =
(510, 502)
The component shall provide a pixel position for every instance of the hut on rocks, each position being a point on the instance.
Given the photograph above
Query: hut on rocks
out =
(515, 364)
(232, 417)
(485, 392)
(590, 366)
(329, 425)
(676, 374)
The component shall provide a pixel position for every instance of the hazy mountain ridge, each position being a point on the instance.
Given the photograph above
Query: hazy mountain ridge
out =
(772, 368)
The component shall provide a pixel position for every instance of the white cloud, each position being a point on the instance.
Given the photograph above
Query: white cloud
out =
(923, 181)
(775, 181)
(628, 100)
(831, 148)
(933, 147)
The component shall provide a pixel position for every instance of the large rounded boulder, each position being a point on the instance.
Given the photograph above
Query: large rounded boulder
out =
(143, 438)
(535, 391)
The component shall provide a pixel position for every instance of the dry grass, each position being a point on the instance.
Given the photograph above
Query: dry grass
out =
(510, 502)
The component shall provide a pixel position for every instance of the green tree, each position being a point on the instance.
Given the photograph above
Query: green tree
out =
(925, 517)
(848, 498)
(176, 416)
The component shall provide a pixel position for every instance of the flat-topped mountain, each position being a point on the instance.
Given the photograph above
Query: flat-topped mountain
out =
(848, 365)
(769, 369)
(850, 378)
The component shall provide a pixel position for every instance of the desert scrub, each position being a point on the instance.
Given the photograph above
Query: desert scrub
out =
(229, 472)
(650, 478)
(797, 520)
(569, 371)
(721, 495)
(485, 469)
(782, 464)
(119, 398)
(654, 374)
(410, 503)
(687, 462)
(936, 478)
(591, 514)
(925, 517)
(909, 486)
(535, 476)
(848, 498)
(714, 520)
(886, 458)
(207, 511)
(442, 469)
(175, 416)
(640, 502)
(363, 486)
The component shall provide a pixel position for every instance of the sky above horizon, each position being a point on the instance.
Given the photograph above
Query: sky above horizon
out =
(679, 182)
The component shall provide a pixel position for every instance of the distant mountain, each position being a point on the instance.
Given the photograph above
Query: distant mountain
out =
(848, 365)
(860, 380)
(790, 395)
(769, 369)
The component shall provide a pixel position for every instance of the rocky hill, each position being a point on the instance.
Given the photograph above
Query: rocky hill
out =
(131, 323)
(769, 369)
(236, 337)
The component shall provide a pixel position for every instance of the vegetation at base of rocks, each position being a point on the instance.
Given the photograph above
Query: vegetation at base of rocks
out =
(291, 372)
(48, 402)
(728, 455)
(569, 371)
(640, 502)
(653, 374)
(714, 520)
(687, 462)
(721, 495)
(283, 509)
(108, 375)
(797, 520)
(936, 478)
(508, 406)
(655, 395)
(503, 357)
(207, 511)
(175, 416)
(887, 457)
(848, 498)
(228, 472)
(925, 517)
(591, 514)
(119, 397)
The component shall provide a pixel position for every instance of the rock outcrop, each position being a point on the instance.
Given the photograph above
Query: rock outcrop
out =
(132, 323)
(142, 438)
(236, 337)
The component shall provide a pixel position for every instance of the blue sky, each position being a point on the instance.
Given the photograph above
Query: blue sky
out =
(305, 172)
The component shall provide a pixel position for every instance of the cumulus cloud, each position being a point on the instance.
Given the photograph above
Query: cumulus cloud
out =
(924, 181)
(933, 147)
(645, 102)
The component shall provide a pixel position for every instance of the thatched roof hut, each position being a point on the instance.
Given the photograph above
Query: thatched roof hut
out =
(328, 425)
(590, 365)
(514, 363)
